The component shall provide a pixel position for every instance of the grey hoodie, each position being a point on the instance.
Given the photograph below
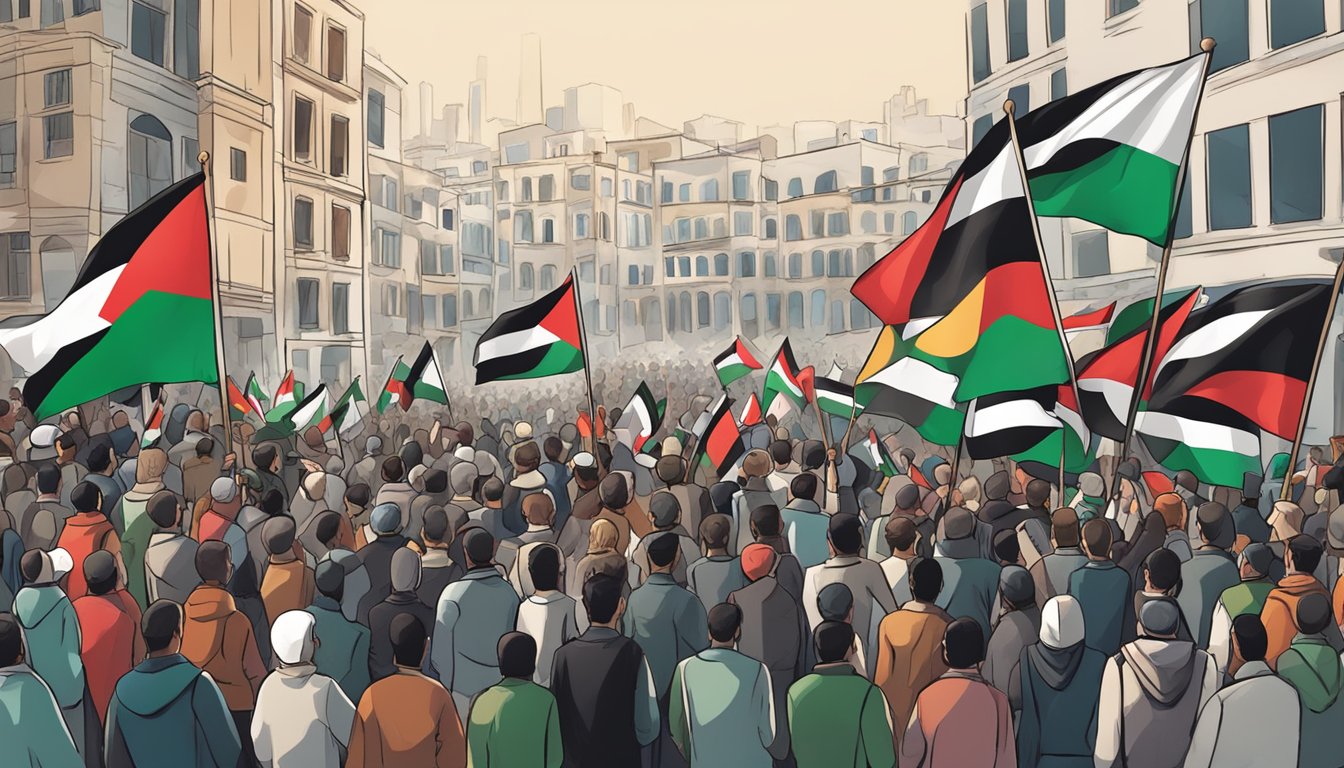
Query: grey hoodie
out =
(1151, 693)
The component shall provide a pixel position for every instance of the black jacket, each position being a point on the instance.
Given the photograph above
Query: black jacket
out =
(594, 680)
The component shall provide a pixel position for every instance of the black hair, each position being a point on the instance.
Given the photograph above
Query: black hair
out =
(963, 644)
(662, 549)
(263, 456)
(86, 497)
(212, 561)
(205, 446)
(162, 620)
(926, 579)
(1252, 639)
(553, 447)
(517, 655)
(724, 620)
(11, 638)
(358, 494)
(408, 639)
(602, 596)
(162, 508)
(48, 478)
(435, 527)
(803, 486)
(1037, 492)
(479, 546)
(273, 502)
(98, 457)
(100, 572)
(1307, 553)
(1006, 546)
(1164, 569)
(436, 481)
(393, 470)
(765, 519)
(327, 527)
(781, 452)
(845, 532)
(330, 579)
(833, 639)
(543, 565)
(492, 489)
(1313, 614)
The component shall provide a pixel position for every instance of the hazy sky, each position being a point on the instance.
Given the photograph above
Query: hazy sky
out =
(759, 61)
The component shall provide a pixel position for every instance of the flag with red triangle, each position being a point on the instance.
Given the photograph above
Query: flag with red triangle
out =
(540, 339)
(751, 412)
(239, 405)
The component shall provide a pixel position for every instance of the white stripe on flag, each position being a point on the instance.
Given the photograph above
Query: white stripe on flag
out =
(1116, 393)
(514, 343)
(1214, 337)
(1014, 414)
(1198, 434)
(919, 379)
(733, 359)
(917, 326)
(1000, 180)
(34, 345)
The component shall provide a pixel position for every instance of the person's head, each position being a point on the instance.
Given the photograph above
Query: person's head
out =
(614, 492)
(553, 447)
(436, 481)
(326, 526)
(330, 580)
(1017, 590)
(585, 470)
(900, 534)
(603, 599)
(926, 579)
(670, 470)
(664, 510)
(1254, 561)
(164, 510)
(11, 638)
(492, 492)
(38, 567)
(1285, 521)
(1160, 619)
(1186, 480)
(1037, 493)
(725, 624)
(998, 486)
(721, 496)
(1250, 641)
(758, 561)
(212, 562)
(1097, 539)
(602, 536)
(803, 486)
(357, 497)
(543, 565)
(272, 502)
(963, 644)
(1215, 525)
(765, 521)
(1162, 569)
(293, 640)
(1302, 554)
(835, 602)
(781, 453)
(663, 549)
(479, 547)
(408, 636)
(100, 572)
(1007, 549)
(833, 640)
(517, 653)
(101, 454)
(405, 570)
(277, 534)
(385, 520)
(844, 531)
(1172, 509)
(48, 479)
(526, 458)
(265, 457)
(942, 475)
(1313, 614)
(435, 530)
(85, 497)
(539, 509)
(715, 530)
(1062, 623)
(161, 627)
(1064, 527)
(907, 499)
(204, 447)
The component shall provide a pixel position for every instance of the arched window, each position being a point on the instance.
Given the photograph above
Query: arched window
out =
(468, 310)
(746, 264)
(795, 187)
(702, 266)
(709, 191)
(525, 277)
(721, 264)
(795, 310)
(547, 277)
(702, 309)
(909, 222)
(671, 314)
(685, 311)
(868, 222)
(771, 267)
(858, 315)
(818, 310)
(723, 310)
(604, 223)
(837, 317)
(793, 227)
(650, 310)
(771, 229)
(720, 226)
(487, 303)
(581, 225)
(834, 266)
(795, 265)
(746, 310)
(818, 263)
(548, 230)
(150, 159)
(684, 266)
(826, 182)
(701, 228)
(59, 269)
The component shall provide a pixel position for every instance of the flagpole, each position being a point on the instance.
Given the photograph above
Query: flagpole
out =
(1150, 343)
(587, 367)
(204, 159)
(1009, 109)
(1311, 381)
(1063, 447)
(952, 479)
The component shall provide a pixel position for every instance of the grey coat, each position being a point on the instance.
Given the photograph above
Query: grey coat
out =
(170, 567)
(713, 579)
(872, 597)
(1015, 631)
(774, 632)
(471, 616)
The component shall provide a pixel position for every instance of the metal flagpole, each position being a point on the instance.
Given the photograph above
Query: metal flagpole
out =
(587, 365)
(1150, 343)
(1311, 382)
(204, 159)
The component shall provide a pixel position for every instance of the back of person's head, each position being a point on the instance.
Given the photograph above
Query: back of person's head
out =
(492, 490)
(998, 486)
(330, 579)
(662, 549)
(1038, 493)
(664, 509)
(278, 534)
(31, 565)
(204, 447)
(408, 640)
(715, 530)
(1007, 549)
(724, 621)
(614, 492)
(527, 457)
(900, 533)
(1248, 632)
(160, 622)
(326, 526)
(1064, 527)
(436, 481)
(812, 455)
(48, 478)
(803, 486)
(1313, 614)
(833, 640)
(11, 638)
(543, 565)
(517, 655)
(435, 527)
(721, 496)
(845, 532)
(86, 497)
(99, 455)
(539, 508)
(273, 502)
(926, 579)
(212, 561)
(963, 644)
(603, 535)
(162, 509)
(264, 455)
(671, 470)
(766, 520)
(835, 601)
(479, 546)
(907, 497)
(1163, 568)
(1306, 551)
(1097, 537)
(1171, 507)
(358, 495)
(553, 447)
(100, 572)
(602, 597)
(393, 470)
(781, 452)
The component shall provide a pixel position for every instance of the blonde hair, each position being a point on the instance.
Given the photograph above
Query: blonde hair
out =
(602, 536)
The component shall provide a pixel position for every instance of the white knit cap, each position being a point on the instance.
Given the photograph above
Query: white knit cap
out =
(292, 637)
(1062, 623)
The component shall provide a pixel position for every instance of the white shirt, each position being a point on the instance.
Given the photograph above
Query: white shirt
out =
(550, 619)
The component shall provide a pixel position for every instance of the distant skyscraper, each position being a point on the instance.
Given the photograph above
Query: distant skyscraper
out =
(476, 103)
(530, 110)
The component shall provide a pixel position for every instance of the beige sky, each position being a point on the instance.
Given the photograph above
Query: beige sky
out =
(759, 61)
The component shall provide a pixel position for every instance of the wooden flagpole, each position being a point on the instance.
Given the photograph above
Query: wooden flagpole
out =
(223, 382)
(1311, 382)
(1150, 343)
(587, 366)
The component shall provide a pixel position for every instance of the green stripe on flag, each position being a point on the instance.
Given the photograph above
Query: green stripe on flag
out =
(1144, 182)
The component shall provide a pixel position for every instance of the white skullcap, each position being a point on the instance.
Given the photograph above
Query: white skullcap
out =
(465, 453)
(44, 435)
(1062, 623)
(292, 637)
(522, 430)
(223, 489)
(584, 459)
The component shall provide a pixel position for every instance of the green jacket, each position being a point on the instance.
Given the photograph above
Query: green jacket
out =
(837, 718)
(1312, 667)
(31, 727)
(1246, 597)
(721, 710)
(514, 722)
(51, 633)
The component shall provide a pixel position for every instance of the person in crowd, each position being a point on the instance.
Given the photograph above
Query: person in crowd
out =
(438, 568)
(805, 524)
(109, 631)
(31, 728)
(836, 717)
(1246, 597)
(343, 654)
(1174, 508)
(170, 559)
(1151, 693)
(51, 634)
(1052, 572)
(909, 646)
(385, 521)
(665, 517)
(85, 532)
(902, 539)
(302, 716)
(538, 510)
(101, 459)
(1253, 721)
(1102, 590)
(167, 712)
(602, 556)
(721, 705)
(1162, 582)
(132, 523)
(693, 498)
(404, 599)
(1018, 626)
(755, 492)
(41, 524)
(548, 615)
(288, 582)
(1246, 518)
(718, 574)
(766, 529)
(1209, 571)
(217, 638)
(1061, 688)
(1301, 555)
(407, 718)
(865, 580)
(836, 603)
(603, 686)
(970, 582)
(395, 490)
(1312, 667)
(516, 721)
(557, 478)
(471, 616)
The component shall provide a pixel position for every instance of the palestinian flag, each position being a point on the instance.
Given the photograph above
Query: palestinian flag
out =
(897, 384)
(348, 415)
(650, 446)
(1088, 320)
(311, 410)
(423, 380)
(394, 389)
(751, 412)
(286, 397)
(1009, 422)
(1106, 377)
(540, 339)
(1112, 154)
(239, 406)
(153, 426)
(139, 311)
(640, 419)
(735, 362)
(1079, 448)
(255, 396)
(881, 457)
(836, 398)
(720, 443)
(783, 390)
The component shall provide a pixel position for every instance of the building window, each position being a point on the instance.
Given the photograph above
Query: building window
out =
(1228, 160)
(771, 190)
(666, 192)
(56, 88)
(580, 225)
(303, 223)
(684, 266)
(604, 226)
(1059, 84)
(237, 164)
(582, 181)
(335, 53)
(150, 159)
(980, 42)
(747, 313)
(546, 188)
(837, 224)
(795, 265)
(24, 11)
(771, 227)
(387, 248)
(340, 145)
(709, 191)
(795, 187)
(429, 311)
(303, 33)
(1228, 22)
(1296, 165)
(773, 315)
(746, 264)
(793, 228)
(702, 266)
(1117, 7)
(1292, 21)
(816, 225)
(1055, 9)
(1091, 254)
(889, 222)
(340, 308)
(526, 277)
(525, 190)
(825, 182)
(449, 310)
(187, 38)
(6, 11)
(1021, 96)
(447, 217)
(303, 128)
(702, 309)
(9, 153)
(429, 258)
(148, 26)
(478, 167)
(340, 233)
(701, 228)
(1017, 29)
(818, 263)
(447, 260)
(742, 222)
(548, 230)
(795, 310)
(817, 299)
(468, 310)
(522, 227)
(741, 185)
(308, 289)
(909, 222)
(868, 222)
(980, 128)
(377, 112)
(16, 263)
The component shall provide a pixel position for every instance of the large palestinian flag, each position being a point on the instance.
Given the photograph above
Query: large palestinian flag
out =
(1237, 371)
(783, 389)
(139, 311)
(540, 339)
(897, 384)
(1072, 439)
(735, 362)
(720, 442)
(1010, 422)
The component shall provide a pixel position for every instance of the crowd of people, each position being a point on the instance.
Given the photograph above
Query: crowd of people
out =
(514, 591)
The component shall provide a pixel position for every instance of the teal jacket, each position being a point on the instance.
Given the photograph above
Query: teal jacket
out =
(837, 718)
(31, 728)
(721, 710)
(514, 722)
(669, 624)
(343, 650)
(166, 713)
(1102, 589)
(51, 634)
(1312, 667)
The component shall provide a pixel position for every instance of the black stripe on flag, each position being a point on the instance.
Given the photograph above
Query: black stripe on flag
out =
(528, 315)
(1016, 437)
(116, 248)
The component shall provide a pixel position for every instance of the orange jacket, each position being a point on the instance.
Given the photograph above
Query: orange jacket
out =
(407, 719)
(1279, 613)
(217, 637)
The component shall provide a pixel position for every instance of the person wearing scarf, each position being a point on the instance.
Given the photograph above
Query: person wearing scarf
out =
(301, 715)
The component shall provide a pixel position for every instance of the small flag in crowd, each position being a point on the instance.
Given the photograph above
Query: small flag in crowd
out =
(1090, 320)
(751, 412)
(536, 340)
(286, 397)
(882, 461)
(424, 381)
(735, 362)
(153, 425)
(348, 415)
(311, 410)
(783, 391)
(239, 406)
(255, 396)
(720, 442)
(836, 398)
(394, 389)
(640, 419)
